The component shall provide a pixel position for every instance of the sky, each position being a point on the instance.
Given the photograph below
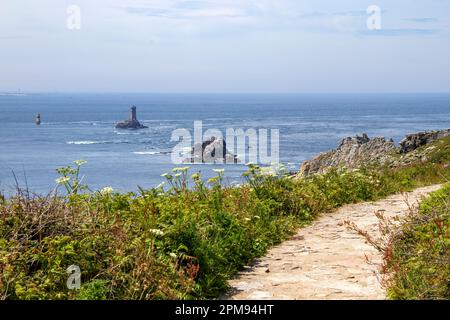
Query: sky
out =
(220, 46)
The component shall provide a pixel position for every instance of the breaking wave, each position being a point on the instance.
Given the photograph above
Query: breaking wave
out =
(87, 142)
(152, 152)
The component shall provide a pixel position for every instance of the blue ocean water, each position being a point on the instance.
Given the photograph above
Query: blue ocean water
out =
(81, 126)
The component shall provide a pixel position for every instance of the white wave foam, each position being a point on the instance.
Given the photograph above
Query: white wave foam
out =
(83, 142)
(126, 133)
(147, 152)
(153, 152)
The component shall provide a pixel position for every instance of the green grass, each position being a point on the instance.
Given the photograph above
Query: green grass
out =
(420, 260)
(178, 242)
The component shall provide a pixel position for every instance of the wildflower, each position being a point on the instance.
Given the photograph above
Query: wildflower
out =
(173, 255)
(157, 232)
(195, 176)
(80, 162)
(159, 186)
(107, 190)
(178, 175)
(167, 176)
(62, 180)
(268, 171)
(219, 171)
(282, 168)
(213, 180)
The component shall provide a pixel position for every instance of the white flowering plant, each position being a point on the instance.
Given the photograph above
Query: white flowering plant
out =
(70, 177)
(217, 180)
(178, 180)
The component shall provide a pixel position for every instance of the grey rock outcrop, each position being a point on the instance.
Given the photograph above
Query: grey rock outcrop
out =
(356, 152)
(413, 141)
(212, 150)
(131, 123)
(351, 152)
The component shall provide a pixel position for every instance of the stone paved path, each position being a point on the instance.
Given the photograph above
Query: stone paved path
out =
(324, 260)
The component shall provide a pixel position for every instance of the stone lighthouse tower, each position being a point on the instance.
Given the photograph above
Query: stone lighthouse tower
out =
(133, 114)
(131, 123)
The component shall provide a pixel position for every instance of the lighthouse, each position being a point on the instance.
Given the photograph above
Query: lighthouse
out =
(133, 114)
(131, 123)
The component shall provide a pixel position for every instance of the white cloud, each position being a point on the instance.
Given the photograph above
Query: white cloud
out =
(214, 13)
(190, 9)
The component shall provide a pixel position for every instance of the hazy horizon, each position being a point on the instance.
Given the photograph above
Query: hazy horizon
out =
(227, 93)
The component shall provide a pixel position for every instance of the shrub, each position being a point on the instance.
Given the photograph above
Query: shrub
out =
(420, 260)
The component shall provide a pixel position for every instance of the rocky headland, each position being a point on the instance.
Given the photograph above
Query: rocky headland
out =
(413, 141)
(362, 151)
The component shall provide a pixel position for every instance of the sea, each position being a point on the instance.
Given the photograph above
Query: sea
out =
(82, 126)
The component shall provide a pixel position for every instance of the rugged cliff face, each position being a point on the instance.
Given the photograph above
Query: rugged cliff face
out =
(356, 152)
(416, 140)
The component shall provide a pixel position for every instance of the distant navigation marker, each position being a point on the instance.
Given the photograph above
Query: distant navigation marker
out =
(38, 119)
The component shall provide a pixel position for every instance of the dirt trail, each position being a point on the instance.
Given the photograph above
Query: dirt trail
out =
(325, 260)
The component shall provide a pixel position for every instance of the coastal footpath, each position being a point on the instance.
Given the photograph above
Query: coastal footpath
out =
(326, 260)
(329, 260)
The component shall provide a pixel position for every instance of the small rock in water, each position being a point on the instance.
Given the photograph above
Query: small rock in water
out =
(212, 150)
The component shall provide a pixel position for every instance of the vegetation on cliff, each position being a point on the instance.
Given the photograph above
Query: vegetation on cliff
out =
(175, 242)
(418, 263)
